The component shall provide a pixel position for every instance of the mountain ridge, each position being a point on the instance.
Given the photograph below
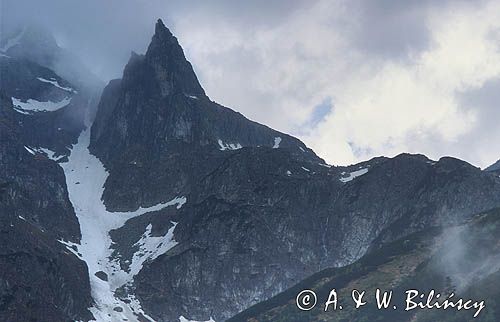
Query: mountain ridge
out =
(262, 209)
(188, 210)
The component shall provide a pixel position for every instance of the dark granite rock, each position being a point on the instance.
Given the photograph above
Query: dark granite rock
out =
(494, 168)
(57, 130)
(156, 125)
(462, 260)
(262, 213)
(102, 275)
(258, 219)
(42, 278)
(39, 277)
(36, 185)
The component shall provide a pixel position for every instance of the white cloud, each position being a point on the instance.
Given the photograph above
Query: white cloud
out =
(396, 72)
(382, 105)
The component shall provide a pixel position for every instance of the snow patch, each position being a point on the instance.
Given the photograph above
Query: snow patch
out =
(277, 141)
(18, 110)
(183, 319)
(150, 248)
(230, 146)
(85, 178)
(71, 247)
(353, 175)
(30, 150)
(192, 96)
(288, 173)
(56, 84)
(306, 169)
(34, 105)
(51, 154)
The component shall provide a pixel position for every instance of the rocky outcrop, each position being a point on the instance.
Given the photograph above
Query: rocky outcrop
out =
(35, 90)
(494, 167)
(222, 212)
(156, 126)
(263, 211)
(40, 277)
(36, 186)
(463, 260)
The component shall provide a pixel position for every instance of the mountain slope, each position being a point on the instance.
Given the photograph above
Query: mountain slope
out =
(41, 117)
(464, 260)
(49, 110)
(494, 167)
(37, 44)
(159, 111)
(173, 207)
(262, 211)
(40, 276)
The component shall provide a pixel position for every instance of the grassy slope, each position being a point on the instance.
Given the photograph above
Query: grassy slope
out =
(464, 260)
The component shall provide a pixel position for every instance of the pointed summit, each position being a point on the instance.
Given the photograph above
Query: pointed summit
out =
(172, 70)
(161, 29)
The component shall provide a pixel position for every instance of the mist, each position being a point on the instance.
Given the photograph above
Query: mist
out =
(352, 79)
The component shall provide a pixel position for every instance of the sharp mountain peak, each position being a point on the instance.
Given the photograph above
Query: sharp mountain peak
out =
(173, 73)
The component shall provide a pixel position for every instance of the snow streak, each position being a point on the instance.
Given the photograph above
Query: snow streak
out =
(85, 177)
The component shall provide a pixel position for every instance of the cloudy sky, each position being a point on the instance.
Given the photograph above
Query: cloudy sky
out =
(353, 79)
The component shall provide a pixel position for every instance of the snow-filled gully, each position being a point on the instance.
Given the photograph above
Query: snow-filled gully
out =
(85, 178)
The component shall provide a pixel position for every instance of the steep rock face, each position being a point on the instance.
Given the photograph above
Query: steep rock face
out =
(251, 233)
(463, 260)
(494, 167)
(49, 111)
(40, 277)
(157, 116)
(263, 211)
(41, 116)
(36, 186)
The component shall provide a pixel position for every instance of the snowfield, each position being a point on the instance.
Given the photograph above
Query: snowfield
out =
(37, 106)
(353, 175)
(277, 141)
(85, 178)
(183, 319)
(231, 146)
(56, 84)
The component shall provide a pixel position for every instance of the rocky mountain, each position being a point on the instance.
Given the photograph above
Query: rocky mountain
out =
(494, 167)
(39, 276)
(36, 43)
(41, 116)
(171, 207)
(48, 109)
(463, 260)
(262, 210)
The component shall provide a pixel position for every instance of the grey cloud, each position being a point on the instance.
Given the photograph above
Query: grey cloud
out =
(392, 28)
(103, 33)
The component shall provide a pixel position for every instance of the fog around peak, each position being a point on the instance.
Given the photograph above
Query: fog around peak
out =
(353, 79)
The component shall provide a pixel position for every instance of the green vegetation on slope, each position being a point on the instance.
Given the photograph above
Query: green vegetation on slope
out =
(464, 260)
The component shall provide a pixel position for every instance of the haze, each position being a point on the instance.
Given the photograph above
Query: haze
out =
(353, 79)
